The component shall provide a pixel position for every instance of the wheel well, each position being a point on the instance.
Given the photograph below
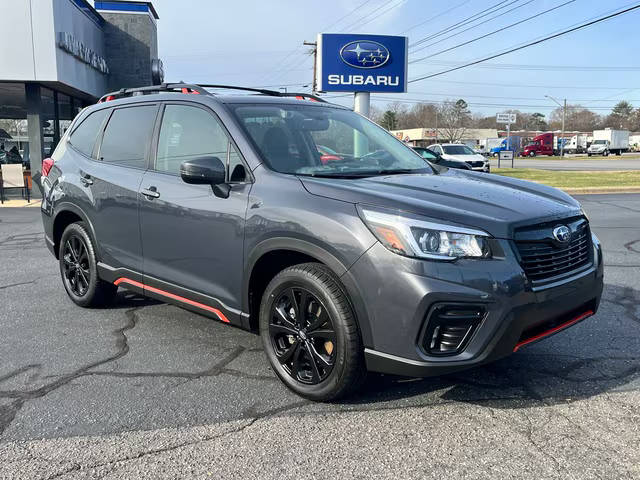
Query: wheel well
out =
(62, 221)
(267, 267)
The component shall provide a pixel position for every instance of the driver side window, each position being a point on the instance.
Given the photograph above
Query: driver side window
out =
(191, 132)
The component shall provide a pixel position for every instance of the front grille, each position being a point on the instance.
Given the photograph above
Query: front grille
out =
(478, 163)
(450, 327)
(543, 258)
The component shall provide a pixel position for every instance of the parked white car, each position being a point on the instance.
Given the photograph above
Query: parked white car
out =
(462, 153)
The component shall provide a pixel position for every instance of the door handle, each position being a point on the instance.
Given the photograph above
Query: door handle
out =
(86, 179)
(150, 192)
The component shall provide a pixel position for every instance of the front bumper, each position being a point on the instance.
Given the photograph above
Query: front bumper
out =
(394, 295)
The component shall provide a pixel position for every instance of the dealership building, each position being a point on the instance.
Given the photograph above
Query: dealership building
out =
(59, 56)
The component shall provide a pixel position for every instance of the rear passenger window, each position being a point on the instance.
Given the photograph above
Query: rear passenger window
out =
(84, 137)
(127, 136)
(187, 133)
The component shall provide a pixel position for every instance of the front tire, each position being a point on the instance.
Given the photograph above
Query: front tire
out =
(310, 334)
(79, 269)
(532, 154)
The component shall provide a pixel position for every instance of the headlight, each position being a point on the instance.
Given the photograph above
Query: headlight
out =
(412, 236)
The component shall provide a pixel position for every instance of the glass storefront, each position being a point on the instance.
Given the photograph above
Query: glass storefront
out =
(56, 111)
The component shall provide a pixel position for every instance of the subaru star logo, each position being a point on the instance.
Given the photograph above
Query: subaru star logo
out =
(364, 54)
(562, 233)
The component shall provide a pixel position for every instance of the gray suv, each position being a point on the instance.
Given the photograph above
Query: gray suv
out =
(366, 258)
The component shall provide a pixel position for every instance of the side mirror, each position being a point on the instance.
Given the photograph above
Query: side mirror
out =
(206, 171)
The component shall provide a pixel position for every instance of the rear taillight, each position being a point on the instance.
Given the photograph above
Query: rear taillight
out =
(47, 163)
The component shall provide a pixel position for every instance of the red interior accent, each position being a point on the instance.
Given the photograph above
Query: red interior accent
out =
(47, 163)
(109, 98)
(188, 90)
(329, 158)
(553, 330)
(220, 315)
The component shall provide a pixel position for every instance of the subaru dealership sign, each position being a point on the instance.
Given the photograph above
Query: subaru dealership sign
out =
(361, 63)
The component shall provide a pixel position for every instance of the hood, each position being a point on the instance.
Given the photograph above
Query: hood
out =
(464, 158)
(492, 203)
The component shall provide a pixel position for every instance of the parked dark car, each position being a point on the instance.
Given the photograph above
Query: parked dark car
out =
(436, 158)
(377, 261)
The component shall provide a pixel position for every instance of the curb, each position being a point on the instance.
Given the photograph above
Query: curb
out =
(598, 190)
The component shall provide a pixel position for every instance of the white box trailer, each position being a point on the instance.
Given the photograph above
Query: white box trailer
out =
(576, 144)
(608, 141)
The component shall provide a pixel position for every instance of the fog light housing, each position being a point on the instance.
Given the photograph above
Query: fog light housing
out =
(450, 327)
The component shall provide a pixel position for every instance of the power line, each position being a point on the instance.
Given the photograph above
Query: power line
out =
(520, 85)
(481, 104)
(526, 45)
(346, 15)
(430, 19)
(359, 22)
(487, 34)
(521, 66)
(465, 21)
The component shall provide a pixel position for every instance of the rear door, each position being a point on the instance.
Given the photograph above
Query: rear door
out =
(113, 181)
(193, 240)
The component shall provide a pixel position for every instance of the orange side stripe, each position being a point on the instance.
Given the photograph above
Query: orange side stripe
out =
(220, 315)
(553, 330)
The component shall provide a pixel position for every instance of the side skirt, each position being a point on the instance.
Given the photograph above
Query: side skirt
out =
(174, 294)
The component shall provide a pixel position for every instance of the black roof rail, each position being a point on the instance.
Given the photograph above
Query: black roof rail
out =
(163, 87)
(273, 93)
(201, 89)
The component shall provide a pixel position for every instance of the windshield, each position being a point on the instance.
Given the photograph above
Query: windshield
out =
(600, 142)
(458, 150)
(325, 141)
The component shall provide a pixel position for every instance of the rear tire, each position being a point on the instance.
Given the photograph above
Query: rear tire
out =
(79, 269)
(314, 344)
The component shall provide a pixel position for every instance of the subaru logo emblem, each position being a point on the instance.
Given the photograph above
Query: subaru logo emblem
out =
(562, 233)
(364, 54)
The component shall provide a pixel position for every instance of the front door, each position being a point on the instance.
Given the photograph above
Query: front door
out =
(192, 239)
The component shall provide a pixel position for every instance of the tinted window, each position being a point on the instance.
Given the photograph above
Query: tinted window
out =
(127, 136)
(290, 139)
(458, 150)
(84, 137)
(425, 153)
(187, 133)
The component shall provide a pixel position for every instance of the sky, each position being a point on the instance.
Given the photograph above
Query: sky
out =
(259, 43)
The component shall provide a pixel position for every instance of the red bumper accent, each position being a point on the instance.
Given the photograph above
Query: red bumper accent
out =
(553, 330)
(173, 296)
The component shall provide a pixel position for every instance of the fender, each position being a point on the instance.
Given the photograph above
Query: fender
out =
(65, 206)
(302, 246)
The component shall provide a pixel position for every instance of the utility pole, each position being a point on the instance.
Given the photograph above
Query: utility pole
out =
(315, 59)
(564, 114)
(436, 124)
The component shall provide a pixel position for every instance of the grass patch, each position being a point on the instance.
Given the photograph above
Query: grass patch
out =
(572, 179)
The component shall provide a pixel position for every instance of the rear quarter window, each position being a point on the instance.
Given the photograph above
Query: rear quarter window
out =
(85, 135)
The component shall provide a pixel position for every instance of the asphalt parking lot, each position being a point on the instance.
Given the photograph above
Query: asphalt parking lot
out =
(629, 161)
(147, 390)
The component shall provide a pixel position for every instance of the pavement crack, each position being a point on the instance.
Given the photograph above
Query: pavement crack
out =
(11, 285)
(8, 414)
(251, 419)
(23, 396)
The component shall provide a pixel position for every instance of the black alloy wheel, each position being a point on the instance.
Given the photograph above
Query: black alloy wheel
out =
(79, 269)
(76, 265)
(310, 334)
(302, 335)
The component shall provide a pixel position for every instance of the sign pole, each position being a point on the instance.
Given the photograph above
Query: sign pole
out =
(508, 138)
(361, 105)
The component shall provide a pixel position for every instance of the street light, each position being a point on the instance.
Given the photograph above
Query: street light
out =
(564, 112)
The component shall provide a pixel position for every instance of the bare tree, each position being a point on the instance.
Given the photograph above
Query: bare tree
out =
(453, 119)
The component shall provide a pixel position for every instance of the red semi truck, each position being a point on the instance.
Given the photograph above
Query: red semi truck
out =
(540, 145)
